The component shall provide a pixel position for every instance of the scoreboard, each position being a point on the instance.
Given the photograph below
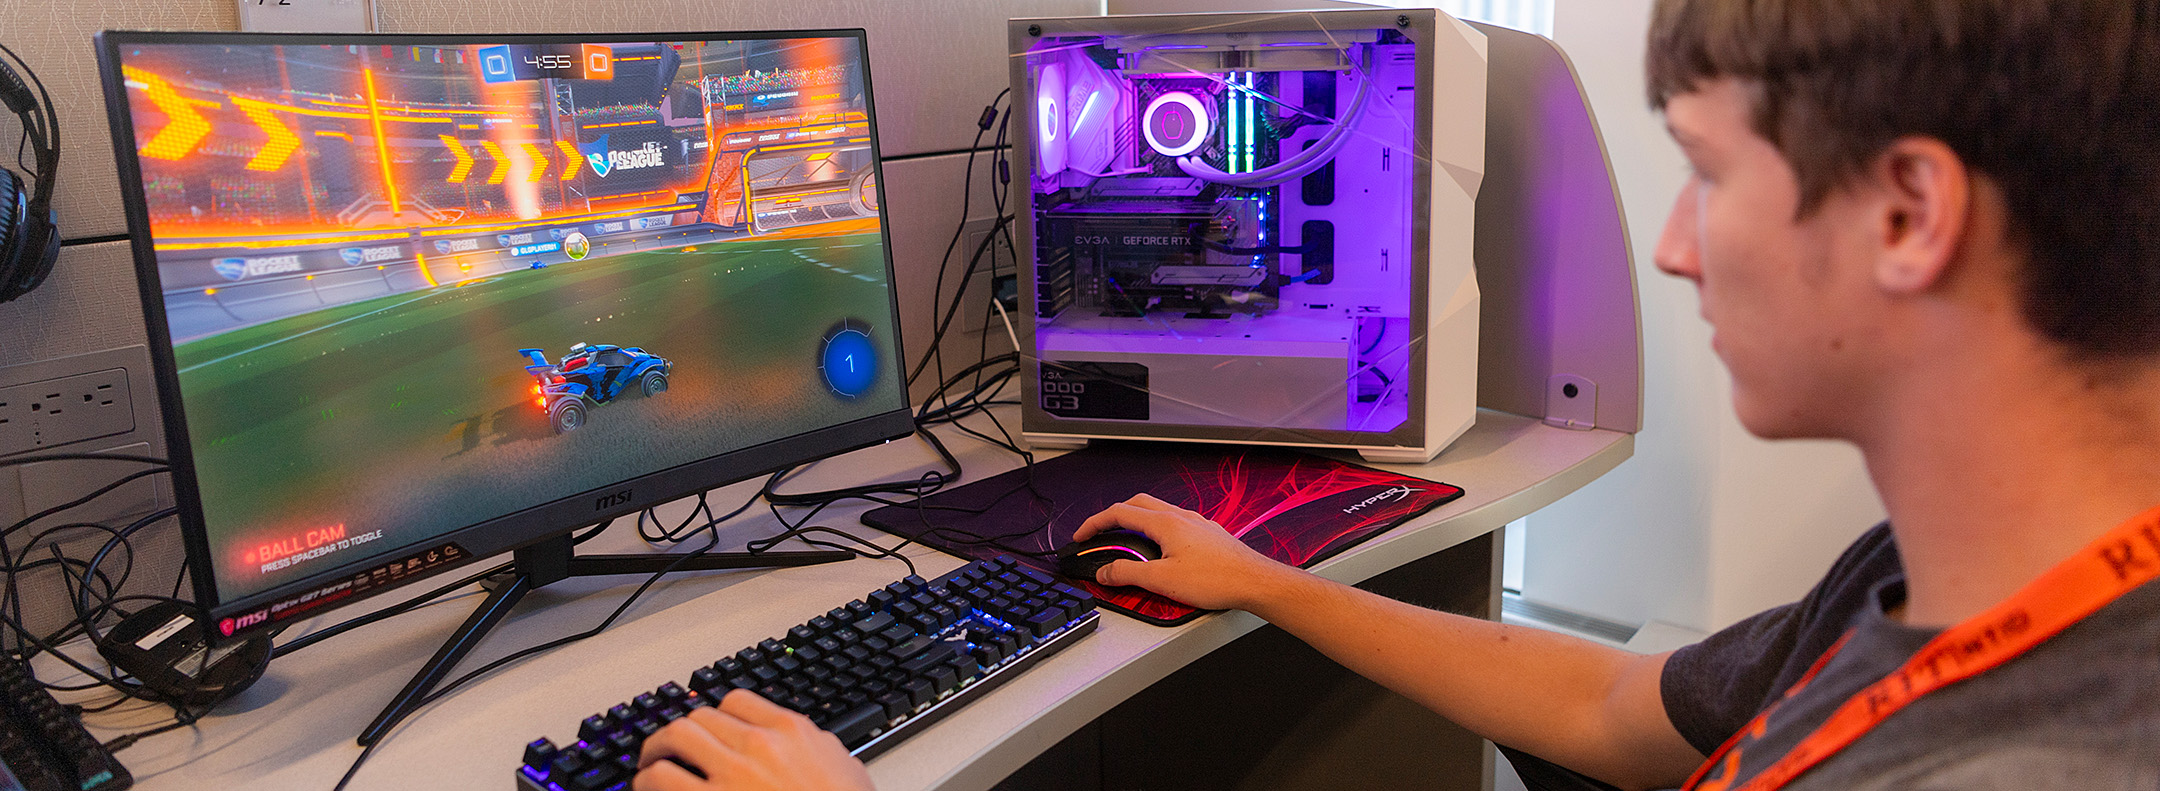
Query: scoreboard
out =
(522, 62)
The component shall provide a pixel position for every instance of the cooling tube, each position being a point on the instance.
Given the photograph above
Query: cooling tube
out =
(1313, 158)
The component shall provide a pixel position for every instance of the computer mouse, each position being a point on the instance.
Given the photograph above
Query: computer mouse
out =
(1080, 559)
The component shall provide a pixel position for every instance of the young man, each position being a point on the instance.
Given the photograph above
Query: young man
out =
(1927, 227)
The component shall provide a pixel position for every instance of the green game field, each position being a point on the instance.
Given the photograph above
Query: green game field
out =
(413, 414)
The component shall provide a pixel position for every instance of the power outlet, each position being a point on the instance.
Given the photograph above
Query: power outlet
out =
(997, 265)
(65, 410)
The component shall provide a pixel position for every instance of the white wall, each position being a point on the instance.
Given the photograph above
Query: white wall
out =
(1706, 524)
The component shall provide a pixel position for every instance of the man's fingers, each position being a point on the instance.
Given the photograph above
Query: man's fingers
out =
(1122, 572)
(755, 710)
(665, 776)
(1151, 502)
(1147, 522)
(690, 740)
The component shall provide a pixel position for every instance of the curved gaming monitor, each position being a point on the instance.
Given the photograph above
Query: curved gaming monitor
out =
(415, 300)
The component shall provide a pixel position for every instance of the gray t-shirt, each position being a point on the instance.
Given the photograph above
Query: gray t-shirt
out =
(2080, 711)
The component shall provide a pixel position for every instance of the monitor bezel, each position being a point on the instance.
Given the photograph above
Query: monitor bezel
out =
(525, 527)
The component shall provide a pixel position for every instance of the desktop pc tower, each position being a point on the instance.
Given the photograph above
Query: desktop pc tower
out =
(1250, 228)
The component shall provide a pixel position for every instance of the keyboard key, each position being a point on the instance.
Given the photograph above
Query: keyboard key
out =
(594, 777)
(875, 623)
(929, 658)
(896, 704)
(567, 763)
(540, 753)
(595, 727)
(1044, 622)
(920, 691)
(856, 725)
(943, 677)
(910, 647)
(965, 666)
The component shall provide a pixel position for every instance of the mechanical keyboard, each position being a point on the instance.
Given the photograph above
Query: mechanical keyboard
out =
(872, 672)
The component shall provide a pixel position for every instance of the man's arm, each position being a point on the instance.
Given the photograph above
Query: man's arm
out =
(1593, 709)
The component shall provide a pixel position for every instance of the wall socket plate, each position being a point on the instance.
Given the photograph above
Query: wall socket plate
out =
(997, 263)
(82, 403)
(63, 411)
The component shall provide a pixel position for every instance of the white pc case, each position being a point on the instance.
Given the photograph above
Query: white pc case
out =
(1250, 228)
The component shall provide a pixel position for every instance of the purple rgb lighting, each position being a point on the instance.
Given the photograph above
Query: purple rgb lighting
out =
(1175, 124)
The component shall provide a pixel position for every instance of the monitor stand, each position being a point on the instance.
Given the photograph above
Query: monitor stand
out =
(554, 560)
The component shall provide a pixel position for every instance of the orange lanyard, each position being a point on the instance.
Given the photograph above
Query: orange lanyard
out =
(2117, 563)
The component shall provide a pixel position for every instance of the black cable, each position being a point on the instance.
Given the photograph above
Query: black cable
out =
(990, 114)
(123, 742)
(929, 482)
(800, 529)
(676, 533)
(12, 593)
(590, 534)
(82, 606)
(100, 492)
(82, 457)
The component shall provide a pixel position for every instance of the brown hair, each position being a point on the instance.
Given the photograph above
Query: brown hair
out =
(2056, 101)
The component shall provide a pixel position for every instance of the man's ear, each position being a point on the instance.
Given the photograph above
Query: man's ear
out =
(1926, 207)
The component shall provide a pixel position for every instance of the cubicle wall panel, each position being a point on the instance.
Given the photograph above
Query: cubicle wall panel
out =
(89, 304)
(1552, 246)
(55, 39)
(933, 67)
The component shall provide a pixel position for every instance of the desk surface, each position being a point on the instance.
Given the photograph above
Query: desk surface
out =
(295, 728)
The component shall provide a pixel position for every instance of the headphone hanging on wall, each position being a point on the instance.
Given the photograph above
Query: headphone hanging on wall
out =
(29, 230)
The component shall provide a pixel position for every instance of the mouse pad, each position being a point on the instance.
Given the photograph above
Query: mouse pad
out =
(1294, 507)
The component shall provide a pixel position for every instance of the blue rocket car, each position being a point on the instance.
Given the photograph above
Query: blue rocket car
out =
(592, 375)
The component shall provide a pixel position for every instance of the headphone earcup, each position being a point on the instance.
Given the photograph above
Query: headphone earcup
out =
(29, 243)
(14, 205)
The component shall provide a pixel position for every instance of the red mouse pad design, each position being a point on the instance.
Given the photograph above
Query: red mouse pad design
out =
(1294, 507)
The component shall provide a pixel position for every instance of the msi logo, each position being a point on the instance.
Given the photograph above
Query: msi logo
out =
(608, 501)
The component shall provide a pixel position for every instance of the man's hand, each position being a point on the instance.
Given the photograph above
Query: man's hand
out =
(748, 743)
(1202, 564)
